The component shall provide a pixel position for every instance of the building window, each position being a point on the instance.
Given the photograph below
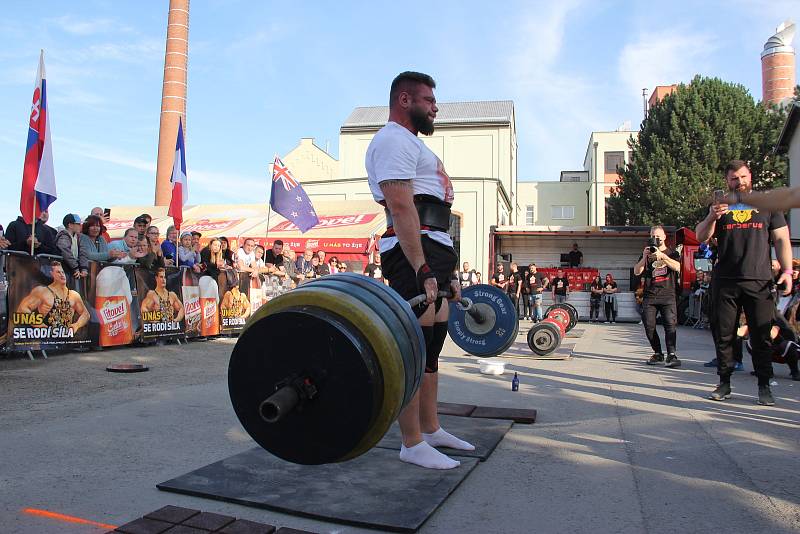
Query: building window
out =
(529, 215)
(563, 212)
(614, 161)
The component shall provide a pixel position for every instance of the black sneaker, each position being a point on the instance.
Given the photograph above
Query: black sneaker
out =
(672, 361)
(722, 392)
(765, 396)
(655, 359)
(795, 375)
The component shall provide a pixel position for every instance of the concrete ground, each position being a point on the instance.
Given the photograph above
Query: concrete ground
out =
(618, 446)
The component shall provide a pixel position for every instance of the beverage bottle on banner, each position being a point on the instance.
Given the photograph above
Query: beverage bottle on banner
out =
(209, 303)
(113, 304)
(191, 303)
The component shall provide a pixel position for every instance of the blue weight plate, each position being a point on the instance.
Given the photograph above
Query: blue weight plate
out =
(492, 337)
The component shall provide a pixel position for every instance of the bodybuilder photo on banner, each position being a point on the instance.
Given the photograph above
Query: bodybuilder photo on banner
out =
(44, 308)
(161, 309)
(235, 305)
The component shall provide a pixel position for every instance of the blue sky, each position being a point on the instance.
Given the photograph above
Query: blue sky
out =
(264, 74)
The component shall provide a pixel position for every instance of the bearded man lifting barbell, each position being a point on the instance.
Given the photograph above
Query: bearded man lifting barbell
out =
(417, 253)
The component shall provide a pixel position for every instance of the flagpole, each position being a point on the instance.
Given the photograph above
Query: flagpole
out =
(33, 223)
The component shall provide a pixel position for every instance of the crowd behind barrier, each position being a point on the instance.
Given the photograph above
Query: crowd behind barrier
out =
(79, 290)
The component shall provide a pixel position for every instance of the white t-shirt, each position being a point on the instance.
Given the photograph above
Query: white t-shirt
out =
(246, 258)
(397, 154)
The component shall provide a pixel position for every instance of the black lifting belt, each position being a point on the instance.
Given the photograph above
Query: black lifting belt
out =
(434, 214)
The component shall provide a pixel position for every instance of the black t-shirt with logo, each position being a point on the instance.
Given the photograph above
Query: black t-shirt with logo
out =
(514, 280)
(575, 257)
(609, 285)
(559, 285)
(660, 283)
(535, 282)
(596, 285)
(743, 243)
(500, 278)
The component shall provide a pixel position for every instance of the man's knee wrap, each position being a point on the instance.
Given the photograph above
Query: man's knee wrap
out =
(434, 347)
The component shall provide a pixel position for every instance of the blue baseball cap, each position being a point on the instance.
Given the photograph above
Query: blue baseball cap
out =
(71, 218)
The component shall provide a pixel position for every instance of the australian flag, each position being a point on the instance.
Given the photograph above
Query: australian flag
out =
(289, 199)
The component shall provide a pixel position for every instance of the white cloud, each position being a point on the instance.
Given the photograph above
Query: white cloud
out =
(83, 27)
(665, 57)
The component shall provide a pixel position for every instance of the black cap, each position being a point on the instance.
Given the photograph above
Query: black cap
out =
(141, 219)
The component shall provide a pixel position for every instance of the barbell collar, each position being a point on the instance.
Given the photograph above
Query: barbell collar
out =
(464, 302)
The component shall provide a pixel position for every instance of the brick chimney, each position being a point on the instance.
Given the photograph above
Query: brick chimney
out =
(778, 66)
(173, 95)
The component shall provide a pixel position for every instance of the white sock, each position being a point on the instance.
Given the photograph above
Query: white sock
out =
(440, 438)
(424, 455)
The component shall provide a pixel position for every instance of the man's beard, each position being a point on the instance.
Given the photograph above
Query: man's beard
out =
(420, 121)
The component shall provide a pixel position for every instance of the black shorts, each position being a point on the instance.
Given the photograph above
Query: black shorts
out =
(403, 278)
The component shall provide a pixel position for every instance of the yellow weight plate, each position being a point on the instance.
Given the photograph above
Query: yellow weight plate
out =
(373, 329)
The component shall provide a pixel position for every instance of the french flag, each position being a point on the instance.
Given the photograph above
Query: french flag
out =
(180, 188)
(38, 176)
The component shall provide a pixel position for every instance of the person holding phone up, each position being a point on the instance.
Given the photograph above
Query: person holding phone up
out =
(742, 277)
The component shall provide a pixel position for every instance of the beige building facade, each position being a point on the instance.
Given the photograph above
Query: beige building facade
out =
(477, 144)
(605, 153)
(789, 144)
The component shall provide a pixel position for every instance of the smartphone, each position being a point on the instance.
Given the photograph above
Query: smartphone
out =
(719, 196)
(107, 213)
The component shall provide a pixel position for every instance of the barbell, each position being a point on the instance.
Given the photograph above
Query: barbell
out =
(319, 374)
(546, 336)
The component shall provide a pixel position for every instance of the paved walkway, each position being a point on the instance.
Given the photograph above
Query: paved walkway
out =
(618, 446)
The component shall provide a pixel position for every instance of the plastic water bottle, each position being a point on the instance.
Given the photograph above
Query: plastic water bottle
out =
(515, 382)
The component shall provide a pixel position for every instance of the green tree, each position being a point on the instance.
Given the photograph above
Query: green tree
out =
(683, 146)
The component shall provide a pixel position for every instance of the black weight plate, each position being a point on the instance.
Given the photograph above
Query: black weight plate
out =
(544, 338)
(313, 341)
(488, 341)
(570, 309)
(382, 312)
(401, 308)
(127, 368)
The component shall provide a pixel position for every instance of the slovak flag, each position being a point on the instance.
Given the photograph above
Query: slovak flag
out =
(180, 188)
(289, 199)
(38, 176)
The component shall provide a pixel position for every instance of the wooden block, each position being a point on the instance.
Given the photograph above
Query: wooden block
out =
(451, 408)
(518, 415)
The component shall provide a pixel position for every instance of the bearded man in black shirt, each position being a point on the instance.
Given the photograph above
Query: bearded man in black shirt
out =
(742, 277)
(660, 266)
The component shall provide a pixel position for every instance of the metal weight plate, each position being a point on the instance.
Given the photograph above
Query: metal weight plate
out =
(400, 307)
(499, 330)
(544, 338)
(127, 368)
(322, 332)
(381, 312)
(560, 316)
(570, 309)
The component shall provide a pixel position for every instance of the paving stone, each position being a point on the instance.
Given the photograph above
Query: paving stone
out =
(172, 514)
(243, 526)
(209, 521)
(518, 415)
(183, 529)
(144, 526)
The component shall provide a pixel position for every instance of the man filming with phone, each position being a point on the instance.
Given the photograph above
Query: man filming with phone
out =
(742, 277)
(660, 266)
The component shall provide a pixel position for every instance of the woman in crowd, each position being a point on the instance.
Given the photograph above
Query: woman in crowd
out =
(154, 248)
(227, 254)
(610, 298)
(212, 260)
(94, 243)
(594, 299)
(333, 265)
(170, 246)
(186, 255)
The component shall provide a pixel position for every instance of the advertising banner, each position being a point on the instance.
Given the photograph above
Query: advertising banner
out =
(160, 307)
(235, 306)
(110, 291)
(47, 306)
(193, 311)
